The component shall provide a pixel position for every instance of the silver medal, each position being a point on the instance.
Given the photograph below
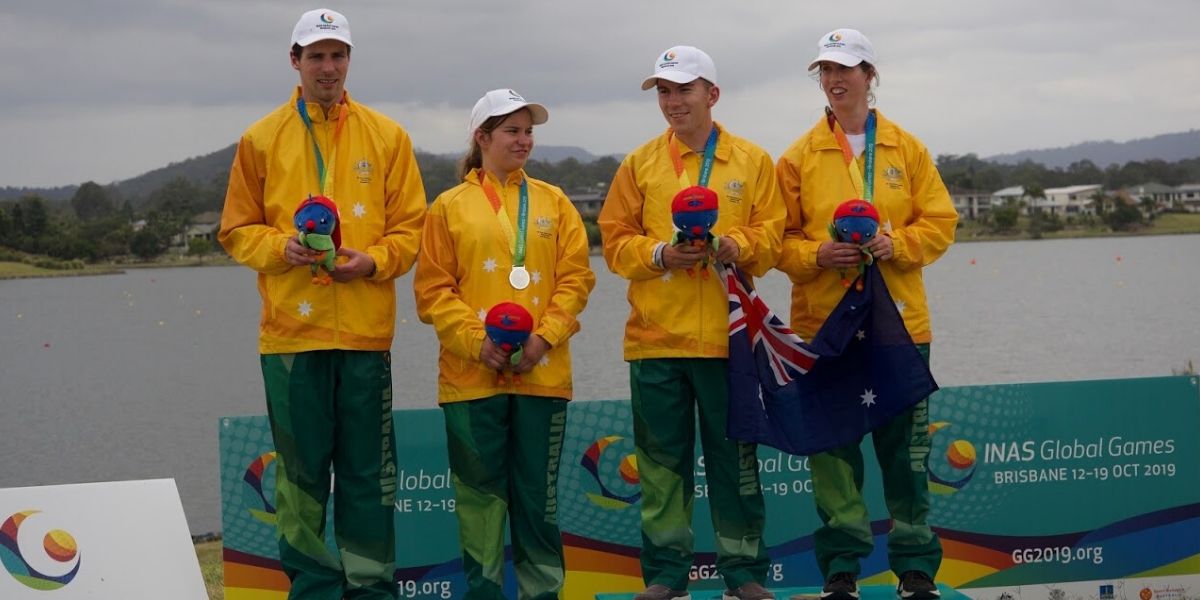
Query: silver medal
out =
(518, 278)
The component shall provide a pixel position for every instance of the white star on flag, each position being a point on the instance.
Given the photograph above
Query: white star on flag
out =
(537, 276)
(861, 335)
(868, 397)
(489, 265)
(359, 209)
(305, 308)
(900, 306)
(482, 315)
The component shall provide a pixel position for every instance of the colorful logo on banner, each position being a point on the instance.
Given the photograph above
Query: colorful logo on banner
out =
(256, 473)
(950, 475)
(593, 461)
(58, 545)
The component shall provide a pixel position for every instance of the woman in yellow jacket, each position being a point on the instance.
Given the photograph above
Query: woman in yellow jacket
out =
(819, 171)
(501, 236)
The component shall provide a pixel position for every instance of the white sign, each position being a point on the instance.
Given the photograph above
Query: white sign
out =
(126, 540)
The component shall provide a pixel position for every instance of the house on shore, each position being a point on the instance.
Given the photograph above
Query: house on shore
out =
(970, 204)
(1071, 200)
(1187, 196)
(1011, 195)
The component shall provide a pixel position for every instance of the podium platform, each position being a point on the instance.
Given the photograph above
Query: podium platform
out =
(866, 592)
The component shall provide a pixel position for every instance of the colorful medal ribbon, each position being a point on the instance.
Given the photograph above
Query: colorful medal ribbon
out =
(710, 150)
(516, 240)
(324, 176)
(864, 186)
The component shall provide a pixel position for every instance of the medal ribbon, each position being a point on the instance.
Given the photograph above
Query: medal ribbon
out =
(516, 240)
(710, 150)
(864, 186)
(324, 176)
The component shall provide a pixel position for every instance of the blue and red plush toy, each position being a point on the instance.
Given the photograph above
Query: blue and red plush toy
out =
(694, 212)
(317, 224)
(508, 325)
(855, 222)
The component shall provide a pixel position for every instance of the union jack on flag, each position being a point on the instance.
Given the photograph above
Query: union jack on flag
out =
(781, 395)
(784, 349)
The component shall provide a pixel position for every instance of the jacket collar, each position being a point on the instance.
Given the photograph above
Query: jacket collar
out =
(514, 178)
(314, 110)
(885, 133)
(724, 143)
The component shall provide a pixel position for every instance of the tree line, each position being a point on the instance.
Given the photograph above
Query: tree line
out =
(970, 172)
(99, 224)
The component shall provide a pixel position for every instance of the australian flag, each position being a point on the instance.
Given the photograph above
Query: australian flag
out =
(860, 371)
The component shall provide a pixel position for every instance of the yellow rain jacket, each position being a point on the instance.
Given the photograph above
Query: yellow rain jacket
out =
(381, 202)
(674, 315)
(914, 209)
(463, 271)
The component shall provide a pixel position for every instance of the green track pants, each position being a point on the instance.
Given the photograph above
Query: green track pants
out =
(504, 458)
(333, 408)
(845, 538)
(667, 396)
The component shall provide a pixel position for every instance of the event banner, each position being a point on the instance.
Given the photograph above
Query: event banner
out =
(1034, 486)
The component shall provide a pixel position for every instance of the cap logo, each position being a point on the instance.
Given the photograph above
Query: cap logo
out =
(515, 96)
(835, 36)
(669, 56)
(326, 18)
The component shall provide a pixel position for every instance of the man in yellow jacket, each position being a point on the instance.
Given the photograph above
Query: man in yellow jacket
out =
(677, 335)
(325, 349)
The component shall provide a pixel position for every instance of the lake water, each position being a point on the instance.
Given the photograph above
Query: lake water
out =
(125, 376)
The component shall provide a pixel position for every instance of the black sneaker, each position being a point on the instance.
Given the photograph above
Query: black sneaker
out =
(840, 586)
(915, 585)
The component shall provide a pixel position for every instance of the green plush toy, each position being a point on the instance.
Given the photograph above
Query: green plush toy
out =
(317, 222)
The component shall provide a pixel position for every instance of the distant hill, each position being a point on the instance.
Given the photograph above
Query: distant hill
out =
(211, 169)
(1169, 147)
(54, 195)
(203, 169)
(555, 154)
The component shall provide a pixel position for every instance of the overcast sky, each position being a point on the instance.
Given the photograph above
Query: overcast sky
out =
(105, 91)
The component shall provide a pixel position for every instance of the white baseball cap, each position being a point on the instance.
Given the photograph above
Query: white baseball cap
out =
(847, 47)
(321, 24)
(503, 102)
(682, 64)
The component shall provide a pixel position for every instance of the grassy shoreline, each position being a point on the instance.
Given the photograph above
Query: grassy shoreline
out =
(209, 555)
(21, 270)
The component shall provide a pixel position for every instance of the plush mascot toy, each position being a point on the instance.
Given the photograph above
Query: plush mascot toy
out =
(855, 222)
(694, 212)
(508, 325)
(317, 222)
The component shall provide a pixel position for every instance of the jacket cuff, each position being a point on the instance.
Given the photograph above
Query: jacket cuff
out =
(377, 256)
(552, 331)
(475, 344)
